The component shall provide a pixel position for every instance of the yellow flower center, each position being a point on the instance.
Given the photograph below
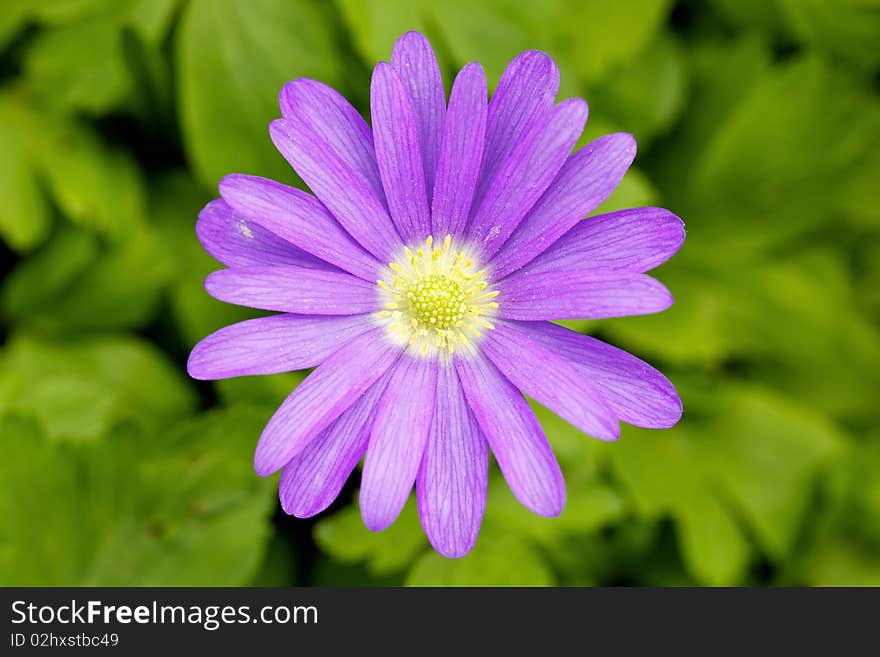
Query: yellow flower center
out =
(436, 299)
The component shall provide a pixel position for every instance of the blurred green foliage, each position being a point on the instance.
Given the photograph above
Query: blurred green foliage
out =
(758, 121)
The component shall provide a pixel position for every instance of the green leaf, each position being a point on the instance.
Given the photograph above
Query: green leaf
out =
(40, 280)
(591, 504)
(151, 94)
(80, 65)
(589, 507)
(231, 63)
(588, 40)
(492, 32)
(24, 214)
(75, 77)
(328, 572)
(857, 193)
(603, 36)
(839, 561)
(199, 517)
(96, 185)
(843, 541)
(854, 492)
(720, 75)
(497, 560)
(375, 26)
(646, 97)
(849, 29)
(175, 202)
(745, 458)
(30, 555)
(752, 15)
(15, 14)
(179, 508)
(495, 32)
(122, 290)
(80, 388)
(74, 285)
(711, 543)
(267, 390)
(58, 12)
(345, 538)
(13, 17)
(869, 282)
(778, 316)
(771, 168)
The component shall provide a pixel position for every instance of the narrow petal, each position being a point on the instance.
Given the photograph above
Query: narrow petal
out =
(527, 88)
(397, 441)
(515, 436)
(585, 180)
(238, 242)
(343, 190)
(580, 294)
(636, 392)
(399, 153)
(332, 119)
(313, 478)
(334, 386)
(454, 476)
(527, 172)
(415, 63)
(268, 345)
(550, 380)
(632, 240)
(300, 219)
(293, 290)
(461, 152)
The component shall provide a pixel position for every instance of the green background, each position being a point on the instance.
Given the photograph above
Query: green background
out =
(758, 123)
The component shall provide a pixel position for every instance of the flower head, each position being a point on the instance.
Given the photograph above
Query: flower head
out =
(420, 278)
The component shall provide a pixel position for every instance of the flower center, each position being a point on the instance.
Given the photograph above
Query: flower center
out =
(436, 299)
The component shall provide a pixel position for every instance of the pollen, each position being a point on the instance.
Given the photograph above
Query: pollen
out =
(435, 299)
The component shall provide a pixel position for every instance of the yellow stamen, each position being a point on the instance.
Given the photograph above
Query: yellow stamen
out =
(438, 296)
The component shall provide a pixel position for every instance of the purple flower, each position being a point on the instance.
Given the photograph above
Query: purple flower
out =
(420, 280)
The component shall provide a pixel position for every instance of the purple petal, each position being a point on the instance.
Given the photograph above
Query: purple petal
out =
(399, 153)
(636, 392)
(461, 152)
(237, 242)
(313, 478)
(334, 386)
(550, 380)
(332, 119)
(397, 441)
(300, 219)
(515, 436)
(268, 345)
(584, 181)
(415, 63)
(294, 290)
(632, 240)
(454, 475)
(580, 294)
(527, 172)
(342, 189)
(527, 89)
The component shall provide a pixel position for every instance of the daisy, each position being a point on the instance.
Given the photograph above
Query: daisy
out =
(420, 279)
